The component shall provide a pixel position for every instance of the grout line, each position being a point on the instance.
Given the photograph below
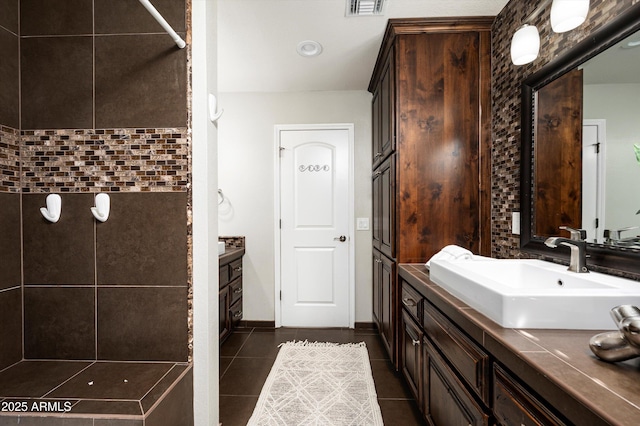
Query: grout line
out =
(68, 380)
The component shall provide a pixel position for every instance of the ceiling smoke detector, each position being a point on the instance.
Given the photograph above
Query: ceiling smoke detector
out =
(365, 7)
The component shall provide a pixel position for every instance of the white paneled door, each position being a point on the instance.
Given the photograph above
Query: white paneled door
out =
(314, 231)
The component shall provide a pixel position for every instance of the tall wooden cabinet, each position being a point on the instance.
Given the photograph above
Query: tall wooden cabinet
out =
(431, 147)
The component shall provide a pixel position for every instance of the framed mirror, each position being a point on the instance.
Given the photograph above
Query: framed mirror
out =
(580, 126)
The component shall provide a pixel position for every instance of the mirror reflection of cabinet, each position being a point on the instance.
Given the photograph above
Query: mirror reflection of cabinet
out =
(558, 155)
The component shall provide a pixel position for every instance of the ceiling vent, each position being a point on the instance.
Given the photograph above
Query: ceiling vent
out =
(365, 7)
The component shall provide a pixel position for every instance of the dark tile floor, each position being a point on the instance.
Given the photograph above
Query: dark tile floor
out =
(248, 354)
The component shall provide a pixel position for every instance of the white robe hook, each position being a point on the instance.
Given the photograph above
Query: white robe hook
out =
(214, 115)
(53, 209)
(102, 208)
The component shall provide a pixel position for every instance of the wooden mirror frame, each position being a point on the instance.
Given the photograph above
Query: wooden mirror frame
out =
(611, 257)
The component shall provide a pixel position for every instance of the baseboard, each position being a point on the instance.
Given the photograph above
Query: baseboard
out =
(259, 324)
(365, 326)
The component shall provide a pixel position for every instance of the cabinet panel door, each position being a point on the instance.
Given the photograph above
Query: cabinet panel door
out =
(377, 289)
(387, 110)
(223, 313)
(388, 309)
(376, 148)
(438, 142)
(387, 207)
(446, 401)
(411, 347)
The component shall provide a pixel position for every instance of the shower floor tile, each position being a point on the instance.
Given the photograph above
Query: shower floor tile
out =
(34, 379)
(92, 389)
(113, 380)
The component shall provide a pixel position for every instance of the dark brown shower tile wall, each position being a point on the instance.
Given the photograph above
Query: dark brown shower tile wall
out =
(505, 89)
(10, 290)
(104, 66)
(93, 98)
(111, 291)
(9, 70)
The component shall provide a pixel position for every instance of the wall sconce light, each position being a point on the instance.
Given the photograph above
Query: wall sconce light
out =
(565, 16)
(568, 14)
(53, 209)
(525, 45)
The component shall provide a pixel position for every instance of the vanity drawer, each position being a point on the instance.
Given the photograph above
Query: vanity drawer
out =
(235, 269)
(235, 312)
(471, 362)
(236, 290)
(411, 300)
(514, 405)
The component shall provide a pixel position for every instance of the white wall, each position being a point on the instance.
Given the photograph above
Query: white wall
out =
(618, 104)
(246, 169)
(205, 216)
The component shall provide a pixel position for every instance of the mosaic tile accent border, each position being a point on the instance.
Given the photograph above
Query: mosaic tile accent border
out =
(505, 90)
(121, 160)
(9, 159)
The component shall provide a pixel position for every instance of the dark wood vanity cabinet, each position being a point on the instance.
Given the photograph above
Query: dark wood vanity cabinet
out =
(454, 379)
(230, 294)
(431, 146)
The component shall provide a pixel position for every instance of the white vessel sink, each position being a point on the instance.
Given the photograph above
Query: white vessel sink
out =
(518, 293)
(221, 249)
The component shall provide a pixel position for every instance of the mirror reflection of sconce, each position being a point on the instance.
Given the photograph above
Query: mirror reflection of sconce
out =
(565, 16)
(53, 209)
(214, 115)
(103, 205)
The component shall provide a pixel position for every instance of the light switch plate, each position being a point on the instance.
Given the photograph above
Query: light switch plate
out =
(362, 224)
(515, 223)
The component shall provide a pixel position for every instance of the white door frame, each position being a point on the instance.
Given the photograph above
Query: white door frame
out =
(601, 125)
(276, 223)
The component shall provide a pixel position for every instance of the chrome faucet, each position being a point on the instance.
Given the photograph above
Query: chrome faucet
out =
(578, 261)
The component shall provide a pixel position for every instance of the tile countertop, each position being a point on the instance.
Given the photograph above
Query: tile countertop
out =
(230, 254)
(557, 364)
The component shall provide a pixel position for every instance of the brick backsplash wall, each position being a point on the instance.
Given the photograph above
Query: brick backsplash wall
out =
(9, 159)
(505, 89)
(115, 160)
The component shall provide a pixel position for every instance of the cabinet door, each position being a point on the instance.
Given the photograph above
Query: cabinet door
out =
(445, 399)
(387, 201)
(377, 289)
(376, 147)
(411, 347)
(376, 189)
(388, 306)
(387, 110)
(224, 320)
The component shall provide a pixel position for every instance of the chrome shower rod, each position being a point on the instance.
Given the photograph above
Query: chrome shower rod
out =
(154, 12)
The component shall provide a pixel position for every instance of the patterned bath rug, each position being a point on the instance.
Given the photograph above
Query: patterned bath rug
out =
(326, 384)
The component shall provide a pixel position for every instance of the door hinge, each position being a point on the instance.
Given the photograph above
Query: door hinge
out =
(597, 222)
(280, 223)
(598, 148)
(281, 149)
(280, 294)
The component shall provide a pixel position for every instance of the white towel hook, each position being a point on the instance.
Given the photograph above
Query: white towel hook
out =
(213, 106)
(103, 205)
(53, 209)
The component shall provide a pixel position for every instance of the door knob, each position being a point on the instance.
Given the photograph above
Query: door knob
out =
(341, 238)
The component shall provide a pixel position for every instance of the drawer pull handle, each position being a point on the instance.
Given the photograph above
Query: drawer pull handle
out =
(237, 314)
(237, 290)
(415, 342)
(410, 303)
(237, 269)
(378, 155)
(378, 173)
